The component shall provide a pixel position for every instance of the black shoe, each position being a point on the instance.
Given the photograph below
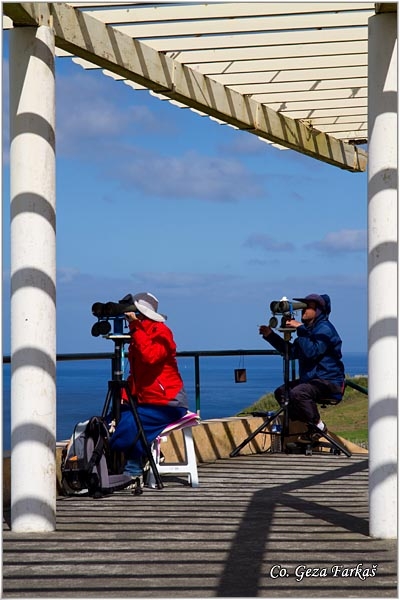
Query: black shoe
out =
(311, 436)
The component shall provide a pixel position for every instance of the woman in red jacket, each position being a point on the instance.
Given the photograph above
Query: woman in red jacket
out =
(154, 381)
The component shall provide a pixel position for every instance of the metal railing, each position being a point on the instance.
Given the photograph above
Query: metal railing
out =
(195, 354)
(357, 387)
(198, 353)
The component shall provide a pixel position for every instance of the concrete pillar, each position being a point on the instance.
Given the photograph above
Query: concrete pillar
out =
(33, 272)
(382, 273)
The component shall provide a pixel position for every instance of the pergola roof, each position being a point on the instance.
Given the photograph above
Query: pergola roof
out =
(294, 74)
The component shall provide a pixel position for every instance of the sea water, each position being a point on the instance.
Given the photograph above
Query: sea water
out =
(82, 386)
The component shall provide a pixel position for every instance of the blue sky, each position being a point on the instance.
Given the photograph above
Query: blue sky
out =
(213, 221)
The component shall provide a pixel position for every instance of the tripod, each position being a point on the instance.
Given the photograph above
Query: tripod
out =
(113, 398)
(312, 427)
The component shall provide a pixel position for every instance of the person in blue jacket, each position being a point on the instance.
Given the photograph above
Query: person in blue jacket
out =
(318, 348)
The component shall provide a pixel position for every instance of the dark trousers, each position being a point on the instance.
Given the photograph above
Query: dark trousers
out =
(303, 398)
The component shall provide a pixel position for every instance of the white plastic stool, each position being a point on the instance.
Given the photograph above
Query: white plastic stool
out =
(188, 467)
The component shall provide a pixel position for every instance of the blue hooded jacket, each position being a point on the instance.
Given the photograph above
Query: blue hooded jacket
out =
(318, 348)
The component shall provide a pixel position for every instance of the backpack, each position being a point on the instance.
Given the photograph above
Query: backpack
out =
(84, 463)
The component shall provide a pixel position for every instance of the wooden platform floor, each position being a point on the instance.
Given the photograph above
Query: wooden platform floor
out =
(251, 529)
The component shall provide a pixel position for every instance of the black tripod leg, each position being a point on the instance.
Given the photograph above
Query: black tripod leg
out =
(142, 436)
(107, 402)
(113, 400)
(285, 427)
(263, 425)
(330, 439)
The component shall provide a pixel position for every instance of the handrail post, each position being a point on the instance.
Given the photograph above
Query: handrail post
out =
(197, 381)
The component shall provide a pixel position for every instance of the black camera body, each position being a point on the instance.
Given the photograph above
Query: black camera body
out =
(286, 308)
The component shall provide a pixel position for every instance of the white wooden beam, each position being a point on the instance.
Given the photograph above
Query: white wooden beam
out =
(349, 119)
(217, 10)
(347, 131)
(314, 95)
(253, 70)
(259, 39)
(313, 75)
(329, 84)
(331, 111)
(90, 39)
(196, 26)
(240, 59)
(332, 103)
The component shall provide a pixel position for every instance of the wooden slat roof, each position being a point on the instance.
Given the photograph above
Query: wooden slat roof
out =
(295, 74)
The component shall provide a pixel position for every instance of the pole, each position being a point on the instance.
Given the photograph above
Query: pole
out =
(33, 279)
(382, 274)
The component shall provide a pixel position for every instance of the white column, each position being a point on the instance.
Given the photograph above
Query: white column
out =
(382, 274)
(33, 271)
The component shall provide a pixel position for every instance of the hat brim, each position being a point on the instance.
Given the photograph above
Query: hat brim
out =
(150, 314)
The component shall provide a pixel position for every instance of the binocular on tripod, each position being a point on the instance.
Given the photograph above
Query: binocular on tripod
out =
(109, 313)
(286, 308)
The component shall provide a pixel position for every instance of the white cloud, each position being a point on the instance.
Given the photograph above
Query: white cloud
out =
(186, 284)
(66, 274)
(267, 243)
(345, 240)
(243, 143)
(205, 310)
(95, 126)
(87, 112)
(189, 176)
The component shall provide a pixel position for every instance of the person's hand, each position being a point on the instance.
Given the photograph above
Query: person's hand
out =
(131, 316)
(292, 323)
(265, 330)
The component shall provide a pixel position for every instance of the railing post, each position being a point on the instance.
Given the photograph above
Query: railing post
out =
(197, 381)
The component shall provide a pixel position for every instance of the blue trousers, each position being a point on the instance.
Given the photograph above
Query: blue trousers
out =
(154, 418)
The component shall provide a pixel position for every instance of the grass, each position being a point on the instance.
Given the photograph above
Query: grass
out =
(349, 419)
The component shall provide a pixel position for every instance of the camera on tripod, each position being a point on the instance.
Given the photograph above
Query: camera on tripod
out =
(110, 316)
(286, 308)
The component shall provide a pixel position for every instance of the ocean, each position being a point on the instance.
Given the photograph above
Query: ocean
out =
(82, 386)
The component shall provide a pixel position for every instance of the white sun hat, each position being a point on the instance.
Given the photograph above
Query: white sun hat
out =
(147, 304)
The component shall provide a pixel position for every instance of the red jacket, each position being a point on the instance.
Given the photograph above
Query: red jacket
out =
(154, 376)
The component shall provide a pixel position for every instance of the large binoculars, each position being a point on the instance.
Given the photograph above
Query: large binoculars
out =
(286, 306)
(106, 310)
(110, 311)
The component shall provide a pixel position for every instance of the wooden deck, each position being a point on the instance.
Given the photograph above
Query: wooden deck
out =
(250, 530)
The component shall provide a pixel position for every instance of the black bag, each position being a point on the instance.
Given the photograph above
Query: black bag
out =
(84, 464)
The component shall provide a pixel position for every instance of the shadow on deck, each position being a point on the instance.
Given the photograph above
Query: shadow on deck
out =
(251, 529)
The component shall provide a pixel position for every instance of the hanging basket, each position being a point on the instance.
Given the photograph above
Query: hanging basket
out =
(240, 376)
